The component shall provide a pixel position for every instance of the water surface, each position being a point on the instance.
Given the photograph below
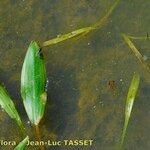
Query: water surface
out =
(81, 103)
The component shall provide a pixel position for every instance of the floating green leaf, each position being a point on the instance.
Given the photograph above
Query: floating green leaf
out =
(129, 103)
(136, 52)
(8, 105)
(33, 80)
(82, 31)
(22, 144)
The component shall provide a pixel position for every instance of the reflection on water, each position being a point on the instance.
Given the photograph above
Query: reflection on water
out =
(80, 102)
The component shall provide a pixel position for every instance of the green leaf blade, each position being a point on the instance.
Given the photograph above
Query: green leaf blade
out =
(83, 31)
(132, 93)
(67, 36)
(33, 80)
(8, 105)
(129, 103)
(22, 144)
(136, 52)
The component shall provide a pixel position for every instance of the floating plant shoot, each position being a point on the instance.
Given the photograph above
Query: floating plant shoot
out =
(33, 86)
(129, 104)
(136, 52)
(33, 76)
(83, 31)
(7, 104)
(22, 144)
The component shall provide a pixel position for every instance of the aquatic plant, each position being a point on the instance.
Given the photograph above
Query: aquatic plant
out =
(7, 104)
(136, 52)
(83, 31)
(147, 37)
(129, 104)
(33, 79)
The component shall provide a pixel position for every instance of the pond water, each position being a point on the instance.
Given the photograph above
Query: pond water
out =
(88, 76)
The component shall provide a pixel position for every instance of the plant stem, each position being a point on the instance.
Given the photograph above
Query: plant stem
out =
(38, 135)
(22, 128)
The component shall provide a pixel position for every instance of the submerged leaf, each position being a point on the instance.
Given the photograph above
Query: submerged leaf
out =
(8, 105)
(82, 31)
(139, 38)
(67, 36)
(22, 144)
(33, 82)
(129, 103)
(136, 52)
(104, 20)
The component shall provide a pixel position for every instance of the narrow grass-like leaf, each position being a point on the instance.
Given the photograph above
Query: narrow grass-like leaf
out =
(67, 36)
(33, 81)
(136, 52)
(8, 105)
(22, 144)
(104, 20)
(139, 38)
(129, 103)
(82, 31)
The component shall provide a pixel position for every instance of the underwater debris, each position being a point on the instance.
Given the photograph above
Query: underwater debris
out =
(112, 85)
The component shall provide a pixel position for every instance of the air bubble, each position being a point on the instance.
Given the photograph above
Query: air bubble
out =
(145, 57)
(58, 35)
